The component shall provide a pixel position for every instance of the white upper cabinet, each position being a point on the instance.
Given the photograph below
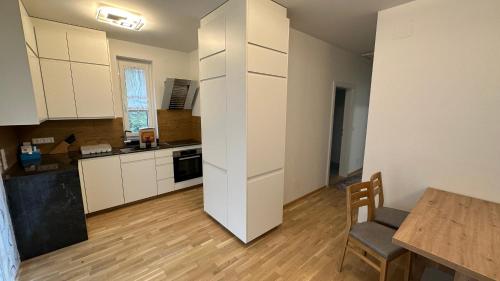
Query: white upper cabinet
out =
(212, 37)
(268, 25)
(51, 39)
(73, 43)
(29, 30)
(88, 45)
(36, 78)
(58, 89)
(92, 85)
(265, 61)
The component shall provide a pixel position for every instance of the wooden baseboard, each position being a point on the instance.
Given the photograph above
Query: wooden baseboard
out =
(304, 196)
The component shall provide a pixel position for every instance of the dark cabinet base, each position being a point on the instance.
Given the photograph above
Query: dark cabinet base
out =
(47, 211)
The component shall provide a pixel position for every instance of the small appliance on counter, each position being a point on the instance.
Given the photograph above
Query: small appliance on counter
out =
(96, 148)
(147, 138)
(29, 154)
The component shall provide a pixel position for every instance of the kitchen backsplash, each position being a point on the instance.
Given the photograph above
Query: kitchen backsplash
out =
(173, 125)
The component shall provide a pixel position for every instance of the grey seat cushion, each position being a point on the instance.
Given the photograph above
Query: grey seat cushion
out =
(378, 238)
(434, 274)
(390, 217)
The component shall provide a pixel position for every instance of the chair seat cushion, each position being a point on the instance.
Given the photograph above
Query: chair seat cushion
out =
(390, 217)
(433, 274)
(378, 238)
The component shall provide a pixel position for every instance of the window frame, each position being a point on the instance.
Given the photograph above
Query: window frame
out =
(124, 63)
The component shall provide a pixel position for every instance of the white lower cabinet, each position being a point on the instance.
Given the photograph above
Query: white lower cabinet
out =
(139, 180)
(215, 192)
(103, 182)
(115, 180)
(165, 186)
(265, 203)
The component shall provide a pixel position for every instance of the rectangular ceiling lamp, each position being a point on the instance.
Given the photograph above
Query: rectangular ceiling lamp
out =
(120, 18)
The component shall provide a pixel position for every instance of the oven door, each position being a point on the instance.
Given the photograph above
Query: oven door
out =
(187, 165)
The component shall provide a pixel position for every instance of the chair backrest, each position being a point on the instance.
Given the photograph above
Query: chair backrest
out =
(377, 188)
(358, 195)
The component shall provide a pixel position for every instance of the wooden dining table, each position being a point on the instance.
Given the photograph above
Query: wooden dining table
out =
(457, 231)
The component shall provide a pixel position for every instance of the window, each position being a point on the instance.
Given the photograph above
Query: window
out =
(138, 103)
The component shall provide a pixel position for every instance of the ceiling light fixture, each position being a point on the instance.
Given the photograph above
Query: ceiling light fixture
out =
(120, 18)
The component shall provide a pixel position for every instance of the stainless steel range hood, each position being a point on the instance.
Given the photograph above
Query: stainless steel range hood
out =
(179, 93)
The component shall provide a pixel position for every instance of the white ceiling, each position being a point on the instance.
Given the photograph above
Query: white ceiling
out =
(173, 24)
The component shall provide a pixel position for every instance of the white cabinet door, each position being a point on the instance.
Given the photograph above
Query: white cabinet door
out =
(93, 96)
(29, 30)
(268, 25)
(164, 171)
(262, 60)
(215, 193)
(212, 37)
(139, 180)
(36, 78)
(165, 186)
(51, 40)
(88, 46)
(103, 182)
(266, 123)
(82, 187)
(58, 86)
(214, 66)
(213, 118)
(265, 204)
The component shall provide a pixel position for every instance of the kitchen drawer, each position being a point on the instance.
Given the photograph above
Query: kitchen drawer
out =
(164, 160)
(164, 171)
(165, 186)
(138, 156)
(163, 153)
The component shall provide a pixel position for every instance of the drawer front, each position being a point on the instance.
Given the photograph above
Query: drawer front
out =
(138, 156)
(164, 171)
(164, 160)
(165, 186)
(163, 153)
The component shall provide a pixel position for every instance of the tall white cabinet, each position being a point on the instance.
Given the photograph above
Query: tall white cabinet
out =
(243, 47)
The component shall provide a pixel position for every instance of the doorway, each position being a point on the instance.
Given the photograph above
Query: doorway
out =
(337, 132)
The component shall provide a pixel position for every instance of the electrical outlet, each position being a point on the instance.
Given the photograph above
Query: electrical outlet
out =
(42, 140)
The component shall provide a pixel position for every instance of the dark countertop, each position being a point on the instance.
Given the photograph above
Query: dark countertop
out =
(55, 163)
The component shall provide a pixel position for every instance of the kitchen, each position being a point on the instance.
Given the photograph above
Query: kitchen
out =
(118, 123)
(98, 127)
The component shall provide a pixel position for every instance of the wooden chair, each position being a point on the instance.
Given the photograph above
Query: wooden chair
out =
(387, 216)
(369, 238)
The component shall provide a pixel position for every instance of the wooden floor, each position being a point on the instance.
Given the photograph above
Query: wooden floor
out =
(171, 238)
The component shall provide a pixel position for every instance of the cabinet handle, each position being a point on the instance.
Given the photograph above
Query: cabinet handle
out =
(190, 157)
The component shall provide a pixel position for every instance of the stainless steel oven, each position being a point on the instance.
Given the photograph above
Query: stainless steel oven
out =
(187, 164)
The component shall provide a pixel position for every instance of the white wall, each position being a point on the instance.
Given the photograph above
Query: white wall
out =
(434, 109)
(9, 257)
(313, 67)
(166, 64)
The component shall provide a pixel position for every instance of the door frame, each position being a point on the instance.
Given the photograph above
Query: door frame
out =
(347, 127)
